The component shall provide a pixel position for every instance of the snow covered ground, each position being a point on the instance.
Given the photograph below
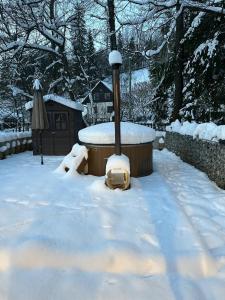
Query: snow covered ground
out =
(72, 238)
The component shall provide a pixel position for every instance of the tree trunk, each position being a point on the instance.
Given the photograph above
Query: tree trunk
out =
(179, 52)
(111, 23)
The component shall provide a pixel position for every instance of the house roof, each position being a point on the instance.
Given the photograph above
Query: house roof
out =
(137, 77)
(106, 84)
(59, 99)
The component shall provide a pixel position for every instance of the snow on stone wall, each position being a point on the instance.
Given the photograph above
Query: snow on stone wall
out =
(205, 131)
(207, 156)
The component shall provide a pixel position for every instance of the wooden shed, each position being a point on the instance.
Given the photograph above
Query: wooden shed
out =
(65, 121)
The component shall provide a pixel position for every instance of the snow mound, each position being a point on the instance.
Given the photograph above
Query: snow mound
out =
(188, 128)
(118, 162)
(174, 126)
(205, 131)
(105, 134)
(3, 149)
(72, 161)
(221, 132)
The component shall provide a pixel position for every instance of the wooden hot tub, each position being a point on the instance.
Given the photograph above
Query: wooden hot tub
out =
(136, 143)
(140, 157)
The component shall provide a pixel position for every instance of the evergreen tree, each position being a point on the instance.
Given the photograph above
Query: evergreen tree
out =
(120, 42)
(79, 43)
(204, 72)
(91, 67)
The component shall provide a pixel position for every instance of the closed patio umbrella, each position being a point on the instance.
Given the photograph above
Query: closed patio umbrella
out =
(39, 114)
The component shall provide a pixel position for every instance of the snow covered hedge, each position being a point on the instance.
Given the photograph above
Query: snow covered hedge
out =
(13, 142)
(204, 131)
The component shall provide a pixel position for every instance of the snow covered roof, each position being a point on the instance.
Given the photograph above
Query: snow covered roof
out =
(105, 133)
(59, 99)
(108, 85)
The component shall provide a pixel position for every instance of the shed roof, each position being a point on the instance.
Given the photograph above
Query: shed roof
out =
(59, 99)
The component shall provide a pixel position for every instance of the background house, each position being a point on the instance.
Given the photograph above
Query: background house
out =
(102, 97)
(65, 120)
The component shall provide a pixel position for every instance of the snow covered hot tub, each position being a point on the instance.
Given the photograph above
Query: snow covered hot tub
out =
(136, 143)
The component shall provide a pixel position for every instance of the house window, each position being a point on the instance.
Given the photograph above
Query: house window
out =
(109, 109)
(96, 96)
(61, 121)
(107, 96)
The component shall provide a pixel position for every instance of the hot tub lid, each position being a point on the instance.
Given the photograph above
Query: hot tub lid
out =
(104, 133)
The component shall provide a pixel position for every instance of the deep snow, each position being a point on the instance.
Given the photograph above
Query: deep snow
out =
(72, 238)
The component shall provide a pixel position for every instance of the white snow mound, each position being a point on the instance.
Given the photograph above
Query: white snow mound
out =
(205, 131)
(174, 126)
(118, 162)
(105, 134)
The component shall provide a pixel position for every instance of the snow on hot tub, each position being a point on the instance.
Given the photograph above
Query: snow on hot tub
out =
(105, 134)
(136, 144)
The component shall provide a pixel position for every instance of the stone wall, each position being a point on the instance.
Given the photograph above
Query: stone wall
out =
(207, 156)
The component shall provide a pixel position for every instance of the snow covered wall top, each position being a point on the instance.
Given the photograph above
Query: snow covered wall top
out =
(204, 131)
(9, 136)
(105, 134)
